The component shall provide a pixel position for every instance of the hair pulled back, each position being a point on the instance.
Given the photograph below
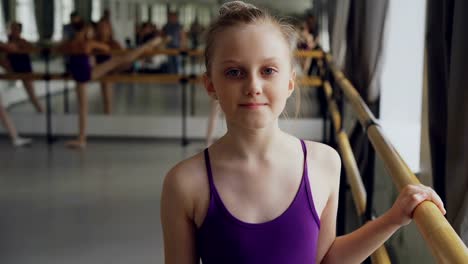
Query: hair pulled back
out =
(240, 13)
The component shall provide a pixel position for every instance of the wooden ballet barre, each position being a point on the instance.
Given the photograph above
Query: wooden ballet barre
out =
(317, 54)
(134, 78)
(309, 81)
(445, 244)
(174, 52)
(175, 78)
(33, 76)
(151, 78)
(127, 78)
(352, 171)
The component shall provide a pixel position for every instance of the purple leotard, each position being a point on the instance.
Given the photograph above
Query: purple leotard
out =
(290, 238)
(101, 58)
(20, 62)
(80, 67)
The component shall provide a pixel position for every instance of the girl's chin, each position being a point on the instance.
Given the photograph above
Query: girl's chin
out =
(255, 123)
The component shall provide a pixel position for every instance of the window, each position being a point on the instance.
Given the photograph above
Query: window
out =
(62, 11)
(144, 12)
(130, 11)
(96, 10)
(159, 15)
(117, 10)
(3, 33)
(204, 15)
(25, 14)
(187, 15)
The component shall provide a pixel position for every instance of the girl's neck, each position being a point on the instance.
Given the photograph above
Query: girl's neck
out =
(250, 144)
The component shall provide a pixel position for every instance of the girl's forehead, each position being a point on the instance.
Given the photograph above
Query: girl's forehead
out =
(259, 40)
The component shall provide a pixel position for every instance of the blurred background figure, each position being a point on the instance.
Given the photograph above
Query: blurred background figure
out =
(68, 30)
(20, 61)
(195, 33)
(104, 35)
(174, 30)
(305, 42)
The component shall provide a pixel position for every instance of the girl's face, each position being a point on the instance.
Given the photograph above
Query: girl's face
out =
(251, 74)
(15, 31)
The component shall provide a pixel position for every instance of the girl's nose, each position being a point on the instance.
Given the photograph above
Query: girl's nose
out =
(253, 86)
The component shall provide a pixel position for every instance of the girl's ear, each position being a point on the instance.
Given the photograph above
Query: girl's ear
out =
(292, 83)
(209, 87)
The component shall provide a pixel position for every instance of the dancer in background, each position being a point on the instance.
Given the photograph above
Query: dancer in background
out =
(83, 71)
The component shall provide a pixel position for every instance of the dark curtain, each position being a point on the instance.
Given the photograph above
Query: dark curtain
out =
(447, 64)
(331, 12)
(6, 11)
(365, 35)
(338, 15)
(84, 8)
(363, 63)
(44, 11)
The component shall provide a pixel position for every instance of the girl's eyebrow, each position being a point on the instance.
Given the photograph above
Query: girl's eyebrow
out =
(229, 61)
(269, 59)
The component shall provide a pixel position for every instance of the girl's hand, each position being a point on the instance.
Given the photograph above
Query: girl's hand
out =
(410, 197)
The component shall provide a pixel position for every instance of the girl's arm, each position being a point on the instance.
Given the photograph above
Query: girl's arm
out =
(177, 219)
(24, 44)
(8, 47)
(99, 46)
(360, 244)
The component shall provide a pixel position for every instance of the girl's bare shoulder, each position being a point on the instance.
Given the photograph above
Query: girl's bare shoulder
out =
(325, 159)
(187, 180)
(322, 152)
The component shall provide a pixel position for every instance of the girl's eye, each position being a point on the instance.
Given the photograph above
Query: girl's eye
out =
(234, 73)
(268, 71)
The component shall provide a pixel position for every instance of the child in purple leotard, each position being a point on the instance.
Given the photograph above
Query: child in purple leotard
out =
(80, 49)
(259, 195)
(20, 61)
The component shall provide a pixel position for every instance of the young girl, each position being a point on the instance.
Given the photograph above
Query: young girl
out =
(82, 70)
(21, 62)
(259, 195)
(16, 140)
(104, 35)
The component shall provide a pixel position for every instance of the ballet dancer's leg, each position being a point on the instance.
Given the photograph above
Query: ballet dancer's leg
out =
(16, 140)
(29, 87)
(107, 94)
(102, 69)
(80, 142)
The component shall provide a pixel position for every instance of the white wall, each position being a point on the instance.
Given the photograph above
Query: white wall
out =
(402, 78)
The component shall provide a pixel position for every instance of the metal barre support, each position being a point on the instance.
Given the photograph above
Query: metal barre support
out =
(47, 77)
(183, 85)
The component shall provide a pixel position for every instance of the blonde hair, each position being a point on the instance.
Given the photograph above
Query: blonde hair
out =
(237, 13)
